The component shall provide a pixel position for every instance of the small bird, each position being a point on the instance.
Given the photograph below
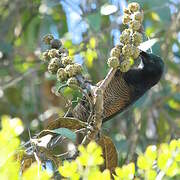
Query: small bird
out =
(126, 88)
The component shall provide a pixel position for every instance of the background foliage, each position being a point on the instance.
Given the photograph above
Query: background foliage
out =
(89, 30)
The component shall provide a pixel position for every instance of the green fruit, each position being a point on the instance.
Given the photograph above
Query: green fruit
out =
(125, 66)
(61, 75)
(48, 38)
(54, 65)
(113, 62)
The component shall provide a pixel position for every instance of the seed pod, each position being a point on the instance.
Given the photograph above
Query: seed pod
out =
(66, 60)
(113, 62)
(78, 68)
(126, 19)
(53, 53)
(61, 75)
(48, 38)
(56, 43)
(136, 52)
(137, 38)
(138, 16)
(125, 66)
(70, 70)
(54, 65)
(126, 11)
(45, 56)
(72, 82)
(133, 7)
(135, 25)
(127, 50)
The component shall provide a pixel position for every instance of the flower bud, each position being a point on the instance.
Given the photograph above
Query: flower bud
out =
(136, 52)
(48, 38)
(55, 43)
(126, 19)
(125, 37)
(126, 11)
(138, 16)
(127, 50)
(66, 60)
(133, 7)
(61, 75)
(54, 65)
(135, 25)
(113, 62)
(45, 56)
(125, 66)
(78, 68)
(53, 53)
(115, 52)
(137, 38)
(72, 82)
(70, 70)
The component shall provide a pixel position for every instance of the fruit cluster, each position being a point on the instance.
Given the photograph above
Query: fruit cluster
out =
(130, 39)
(59, 61)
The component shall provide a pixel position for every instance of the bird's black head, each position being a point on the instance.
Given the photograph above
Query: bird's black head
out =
(153, 66)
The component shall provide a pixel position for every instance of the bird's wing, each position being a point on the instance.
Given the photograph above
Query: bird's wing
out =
(118, 96)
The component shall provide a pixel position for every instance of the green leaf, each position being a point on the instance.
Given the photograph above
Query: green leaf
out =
(94, 21)
(65, 132)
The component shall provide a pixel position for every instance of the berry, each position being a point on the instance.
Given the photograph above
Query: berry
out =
(125, 66)
(70, 70)
(135, 25)
(56, 43)
(54, 65)
(53, 53)
(113, 62)
(133, 7)
(48, 38)
(61, 75)
(72, 82)
(66, 60)
(115, 52)
(127, 50)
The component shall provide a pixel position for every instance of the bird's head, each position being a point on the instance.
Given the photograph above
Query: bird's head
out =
(153, 65)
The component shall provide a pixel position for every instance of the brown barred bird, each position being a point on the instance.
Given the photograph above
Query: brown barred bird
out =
(126, 88)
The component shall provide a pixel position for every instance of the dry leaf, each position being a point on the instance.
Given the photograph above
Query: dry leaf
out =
(109, 153)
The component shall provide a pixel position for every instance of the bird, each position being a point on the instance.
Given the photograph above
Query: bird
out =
(126, 88)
